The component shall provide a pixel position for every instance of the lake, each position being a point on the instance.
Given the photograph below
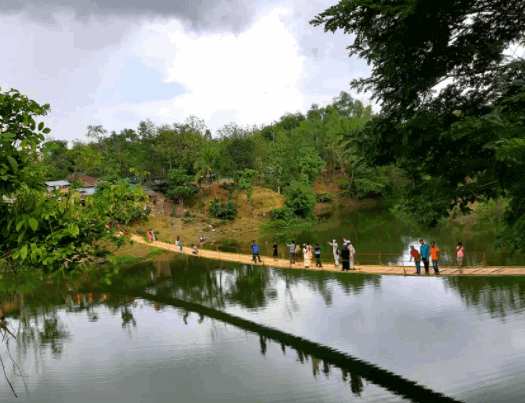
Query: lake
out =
(186, 329)
(380, 236)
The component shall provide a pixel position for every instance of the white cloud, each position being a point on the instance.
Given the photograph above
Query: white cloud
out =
(255, 73)
(252, 77)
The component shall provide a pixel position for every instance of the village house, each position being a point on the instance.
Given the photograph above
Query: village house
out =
(87, 181)
(54, 185)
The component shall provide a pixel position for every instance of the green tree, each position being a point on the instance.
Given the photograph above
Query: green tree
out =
(246, 181)
(300, 198)
(52, 231)
(310, 163)
(57, 159)
(205, 165)
(178, 184)
(458, 143)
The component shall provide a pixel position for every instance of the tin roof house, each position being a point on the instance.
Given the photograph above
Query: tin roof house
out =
(54, 185)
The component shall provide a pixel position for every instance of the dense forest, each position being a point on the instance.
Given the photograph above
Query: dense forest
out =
(183, 153)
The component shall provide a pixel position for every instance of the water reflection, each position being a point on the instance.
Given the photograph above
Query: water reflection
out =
(497, 295)
(356, 368)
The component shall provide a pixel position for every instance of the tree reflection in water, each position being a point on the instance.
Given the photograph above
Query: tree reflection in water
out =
(497, 295)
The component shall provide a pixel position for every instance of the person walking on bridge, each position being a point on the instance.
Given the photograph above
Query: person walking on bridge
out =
(292, 252)
(434, 252)
(275, 254)
(177, 242)
(255, 249)
(335, 249)
(424, 249)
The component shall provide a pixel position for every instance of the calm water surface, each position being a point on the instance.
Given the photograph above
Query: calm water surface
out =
(157, 335)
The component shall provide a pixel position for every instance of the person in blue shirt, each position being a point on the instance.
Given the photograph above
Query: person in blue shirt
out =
(255, 249)
(292, 252)
(317, 254)
(424, 249)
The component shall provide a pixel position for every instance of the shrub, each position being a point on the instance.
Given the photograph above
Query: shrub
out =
(324, 197)
(300, 198)
(283, 213)
(224, 210)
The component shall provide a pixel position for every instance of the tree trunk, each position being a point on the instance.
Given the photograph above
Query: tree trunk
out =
(213, 184)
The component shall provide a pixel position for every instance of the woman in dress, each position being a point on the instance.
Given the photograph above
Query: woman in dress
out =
(306, 255)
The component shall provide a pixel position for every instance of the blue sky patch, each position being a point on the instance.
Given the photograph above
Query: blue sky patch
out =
(138, 83)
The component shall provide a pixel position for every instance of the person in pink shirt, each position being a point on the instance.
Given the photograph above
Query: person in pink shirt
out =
(460, 252)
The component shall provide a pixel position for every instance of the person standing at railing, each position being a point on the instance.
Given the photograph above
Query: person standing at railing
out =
(255, 250)
(424, 249)
(345, 257)
(317, 254)
(460, 252)
(292, 252)
(415, 255)
(352, 254)
(298, 251)
(434, 252)
(275, 255)
(306, 252)
(335, 249)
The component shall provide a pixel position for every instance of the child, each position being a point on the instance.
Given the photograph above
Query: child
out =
(178, 244)
(434, 252)
(460, 252)
(195, 250)
(415, 254)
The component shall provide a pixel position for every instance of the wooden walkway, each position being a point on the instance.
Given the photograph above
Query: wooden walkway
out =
(370, 269)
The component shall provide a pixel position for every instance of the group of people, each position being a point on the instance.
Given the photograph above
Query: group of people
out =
(425, 252)
(309, 252)
(346, 254)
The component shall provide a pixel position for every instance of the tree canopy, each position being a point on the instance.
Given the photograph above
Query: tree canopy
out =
(465, 141)
(52, 231)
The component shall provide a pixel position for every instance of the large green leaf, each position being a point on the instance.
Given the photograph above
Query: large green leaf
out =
(23, 252)
(33, 223)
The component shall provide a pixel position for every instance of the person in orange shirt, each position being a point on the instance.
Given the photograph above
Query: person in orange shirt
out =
(434, 254)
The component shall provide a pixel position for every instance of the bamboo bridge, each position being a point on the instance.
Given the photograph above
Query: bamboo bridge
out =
(369, 269)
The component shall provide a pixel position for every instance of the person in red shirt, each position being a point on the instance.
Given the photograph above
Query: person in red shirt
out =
(415, 255)
(434, 252)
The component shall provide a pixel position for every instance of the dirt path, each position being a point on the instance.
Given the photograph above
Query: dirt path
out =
(281, 263)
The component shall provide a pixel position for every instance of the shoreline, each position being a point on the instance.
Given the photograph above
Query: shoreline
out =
(366, 269)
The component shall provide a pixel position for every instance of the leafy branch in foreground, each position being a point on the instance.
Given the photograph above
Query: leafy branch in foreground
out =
(53, 231)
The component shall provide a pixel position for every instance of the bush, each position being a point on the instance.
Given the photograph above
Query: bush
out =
(227, 186)
(206, 229)
(300, 198)
(223, 210)
(324, 197)
(283, 213)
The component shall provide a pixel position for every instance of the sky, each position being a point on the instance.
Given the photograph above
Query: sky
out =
(115, 63)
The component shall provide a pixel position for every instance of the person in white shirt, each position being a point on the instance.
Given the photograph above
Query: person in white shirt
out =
(335, 248)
